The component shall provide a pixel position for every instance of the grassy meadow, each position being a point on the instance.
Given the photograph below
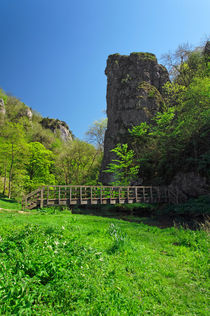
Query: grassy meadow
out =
(58, 263)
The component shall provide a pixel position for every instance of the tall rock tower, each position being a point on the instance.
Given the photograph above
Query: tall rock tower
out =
(134, 85)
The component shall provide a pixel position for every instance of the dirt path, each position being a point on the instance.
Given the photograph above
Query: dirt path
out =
(8, 210)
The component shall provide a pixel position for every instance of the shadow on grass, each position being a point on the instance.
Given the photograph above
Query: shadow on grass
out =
(6, 199)
(190, 215)
(139, 213)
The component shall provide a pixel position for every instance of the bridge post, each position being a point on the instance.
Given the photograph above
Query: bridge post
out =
(59, 195)
(136, 196)
(151, 195)
(144, 193)
(42, 201)
(80, 193)
(91, 195)
(70, 196)
(158, 192)
(101, 194)
(47, 195)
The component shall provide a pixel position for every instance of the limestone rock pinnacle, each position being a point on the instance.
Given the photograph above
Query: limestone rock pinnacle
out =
(134, 86)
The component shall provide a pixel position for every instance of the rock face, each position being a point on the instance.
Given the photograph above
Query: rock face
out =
(2, 107)
(190, 185)
(57, 125)
(207, 48)
(25, 111)
(29, 113)
(134, 85)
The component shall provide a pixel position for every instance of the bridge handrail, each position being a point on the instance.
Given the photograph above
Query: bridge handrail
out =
(100, 193)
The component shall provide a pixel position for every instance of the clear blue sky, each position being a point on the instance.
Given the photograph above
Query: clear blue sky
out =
(53, 52)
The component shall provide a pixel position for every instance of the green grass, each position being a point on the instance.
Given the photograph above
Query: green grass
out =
(56, 263)
(9, 204)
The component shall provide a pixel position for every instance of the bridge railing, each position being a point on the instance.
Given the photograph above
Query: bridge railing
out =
(75, 194)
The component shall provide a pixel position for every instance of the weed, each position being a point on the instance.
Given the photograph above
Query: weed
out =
(118, 238)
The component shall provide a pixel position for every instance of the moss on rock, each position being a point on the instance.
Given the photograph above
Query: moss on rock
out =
(141, 55)
(150, 90)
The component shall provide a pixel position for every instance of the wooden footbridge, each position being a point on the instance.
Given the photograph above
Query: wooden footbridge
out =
(67, 195)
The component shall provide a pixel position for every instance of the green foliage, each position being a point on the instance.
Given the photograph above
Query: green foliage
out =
(123, 168)
(39, 166)
(62, 264)
(13, 156)
(119, 238)
(192, 208)
(96, 133)
(178, 137)
(173, 93)
(78, 163)
(32, 152)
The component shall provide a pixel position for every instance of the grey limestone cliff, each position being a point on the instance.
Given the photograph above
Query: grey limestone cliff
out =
(56, 125)
(134, 86)
(2, 111)
(2, 107)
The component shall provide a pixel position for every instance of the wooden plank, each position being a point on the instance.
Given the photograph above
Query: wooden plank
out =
(47, 194)
(91, 195)
(101, 196)
(151, 195)
(70, 195)
(42, 200)
(80, 193)
(59, 194)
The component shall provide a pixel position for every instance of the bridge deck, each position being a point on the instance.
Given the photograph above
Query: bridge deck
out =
(92, 195)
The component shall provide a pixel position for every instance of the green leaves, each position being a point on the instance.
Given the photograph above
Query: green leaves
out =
(123, 169)
(177, 138)
(78, 163)
(39, 166)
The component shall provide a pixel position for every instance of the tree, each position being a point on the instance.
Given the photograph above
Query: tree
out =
(123, 168)
(184, 63)
(96, 132)
(39, 166)
(13, 154)
(78, 163)
(177, 138)
(174, 61)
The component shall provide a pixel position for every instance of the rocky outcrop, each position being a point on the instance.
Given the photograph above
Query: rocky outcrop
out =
(206, 52)
(55, 126)
(134, 86)
(25, 112)
(2, 107)
(28, 113)
(2, 111)
(190, 185)
(207, 48)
